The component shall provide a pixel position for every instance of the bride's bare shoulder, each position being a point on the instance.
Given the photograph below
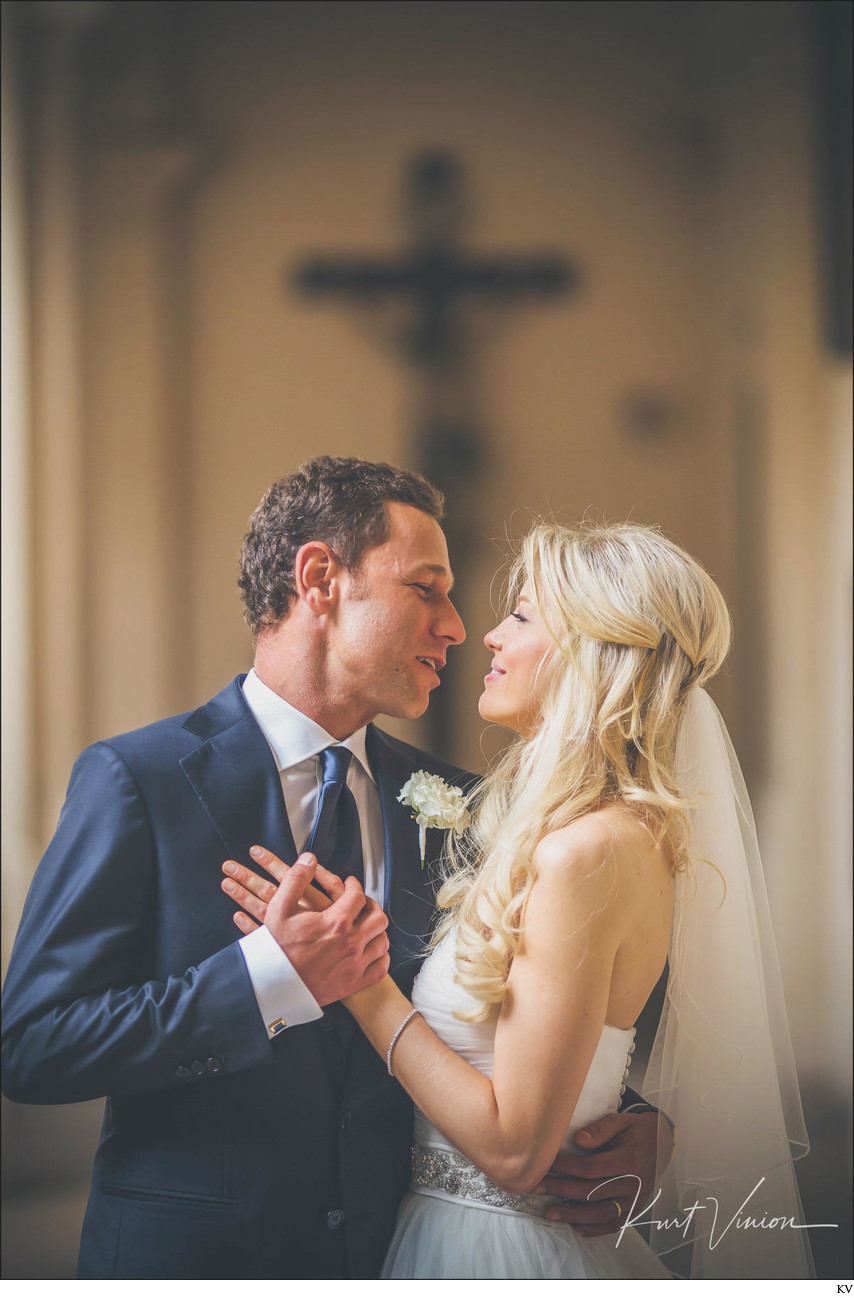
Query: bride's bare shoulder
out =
(606, 870)
(613, 834)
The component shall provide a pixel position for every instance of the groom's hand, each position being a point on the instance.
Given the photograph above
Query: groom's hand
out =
(336, 947)
(618, 1178)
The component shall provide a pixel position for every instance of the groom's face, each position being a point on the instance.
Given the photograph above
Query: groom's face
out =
(395, 621)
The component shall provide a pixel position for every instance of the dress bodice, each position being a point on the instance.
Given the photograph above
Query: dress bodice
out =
(436, 995)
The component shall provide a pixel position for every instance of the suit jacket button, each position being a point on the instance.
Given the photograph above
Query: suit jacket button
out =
(327, 1023)
(183, 1071)
(213, 1065)
(335, 1218)
(198, 1067)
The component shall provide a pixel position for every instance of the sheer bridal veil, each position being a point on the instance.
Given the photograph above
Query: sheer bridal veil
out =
(721, 1066)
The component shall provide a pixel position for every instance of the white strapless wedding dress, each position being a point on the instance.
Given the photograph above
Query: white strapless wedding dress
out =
(454, 1223)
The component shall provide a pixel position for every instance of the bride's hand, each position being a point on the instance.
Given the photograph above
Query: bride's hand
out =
(254, 893)
(337, 943)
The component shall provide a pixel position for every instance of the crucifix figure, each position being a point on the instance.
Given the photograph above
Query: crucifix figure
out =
(417, 300)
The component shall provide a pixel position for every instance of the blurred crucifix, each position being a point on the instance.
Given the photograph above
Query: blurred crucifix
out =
(415, 302)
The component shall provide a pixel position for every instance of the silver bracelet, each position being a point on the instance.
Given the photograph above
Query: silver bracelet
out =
(393, 1042)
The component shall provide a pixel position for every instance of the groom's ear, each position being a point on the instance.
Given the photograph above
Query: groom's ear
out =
(316, 570)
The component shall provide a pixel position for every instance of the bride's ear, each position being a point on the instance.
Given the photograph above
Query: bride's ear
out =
(316, 570)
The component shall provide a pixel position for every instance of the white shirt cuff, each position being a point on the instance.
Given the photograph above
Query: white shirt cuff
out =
(282, 996)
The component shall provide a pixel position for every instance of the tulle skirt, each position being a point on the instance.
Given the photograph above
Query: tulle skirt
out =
(441, 1238)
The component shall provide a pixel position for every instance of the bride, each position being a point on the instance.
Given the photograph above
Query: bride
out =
(612, 839)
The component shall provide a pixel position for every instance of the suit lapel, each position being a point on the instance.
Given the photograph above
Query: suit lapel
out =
(235, 777)
(409, 890)
(233, 773)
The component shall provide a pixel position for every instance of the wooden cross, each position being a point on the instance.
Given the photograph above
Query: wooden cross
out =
(432, 280)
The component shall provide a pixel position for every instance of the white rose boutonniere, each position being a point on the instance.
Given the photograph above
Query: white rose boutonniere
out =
(435, 805)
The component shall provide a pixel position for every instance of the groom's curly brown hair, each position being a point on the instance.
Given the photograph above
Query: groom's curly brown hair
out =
(338, 500)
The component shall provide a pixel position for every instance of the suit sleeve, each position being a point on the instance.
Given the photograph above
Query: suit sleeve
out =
(630, 1098)
(80, 1017)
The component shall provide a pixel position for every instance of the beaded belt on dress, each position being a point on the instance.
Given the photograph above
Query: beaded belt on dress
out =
(445, 1170)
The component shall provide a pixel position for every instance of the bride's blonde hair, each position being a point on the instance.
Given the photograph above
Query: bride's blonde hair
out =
(635, 622)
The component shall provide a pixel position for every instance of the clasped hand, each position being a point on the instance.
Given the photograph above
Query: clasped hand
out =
(337, 943)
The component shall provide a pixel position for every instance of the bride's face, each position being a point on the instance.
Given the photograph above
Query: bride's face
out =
(511, 689)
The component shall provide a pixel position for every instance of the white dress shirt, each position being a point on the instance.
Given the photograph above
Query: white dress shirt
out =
(296, 742)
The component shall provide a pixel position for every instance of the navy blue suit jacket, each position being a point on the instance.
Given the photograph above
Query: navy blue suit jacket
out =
(223, 1154)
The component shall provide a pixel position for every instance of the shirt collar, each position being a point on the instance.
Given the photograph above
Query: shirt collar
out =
(292, 736)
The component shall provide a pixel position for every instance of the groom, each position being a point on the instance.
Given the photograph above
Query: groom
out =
(251, 1132)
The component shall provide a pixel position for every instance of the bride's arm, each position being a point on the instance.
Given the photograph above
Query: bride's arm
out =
(549, 1027)
(511, 1126)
